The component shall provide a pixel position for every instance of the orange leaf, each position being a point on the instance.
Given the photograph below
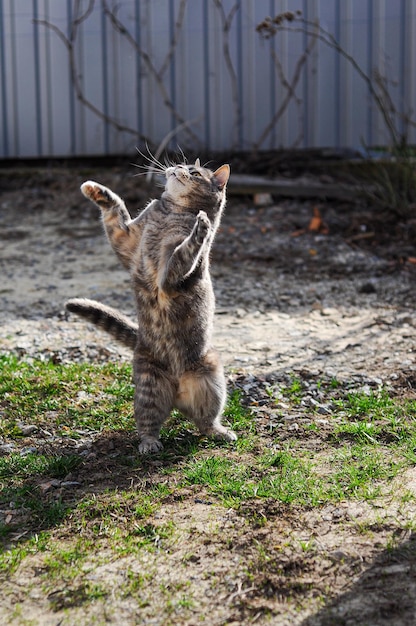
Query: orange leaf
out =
(317, 225)
(316, 222)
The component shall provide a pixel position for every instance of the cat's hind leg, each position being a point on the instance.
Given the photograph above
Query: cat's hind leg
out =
(122, 232)
(154, 393)
(201, 397)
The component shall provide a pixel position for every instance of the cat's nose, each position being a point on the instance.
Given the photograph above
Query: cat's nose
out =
(181, 172)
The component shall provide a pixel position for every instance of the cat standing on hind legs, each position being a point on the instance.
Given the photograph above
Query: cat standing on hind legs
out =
(166, 250)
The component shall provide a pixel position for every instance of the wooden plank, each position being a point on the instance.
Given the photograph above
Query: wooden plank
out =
(240, 184)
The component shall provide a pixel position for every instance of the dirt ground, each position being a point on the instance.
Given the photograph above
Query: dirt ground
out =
(337, 301)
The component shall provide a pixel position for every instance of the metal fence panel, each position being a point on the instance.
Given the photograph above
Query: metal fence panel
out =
(85, 77)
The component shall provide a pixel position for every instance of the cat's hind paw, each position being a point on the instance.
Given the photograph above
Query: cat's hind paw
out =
(100, 195)
(149, 445)
(227, 434)
(221, 432)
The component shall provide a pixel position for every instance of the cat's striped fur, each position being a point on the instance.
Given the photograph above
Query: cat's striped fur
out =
(166, 250)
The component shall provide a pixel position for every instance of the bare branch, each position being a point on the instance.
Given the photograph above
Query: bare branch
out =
(175, 38)
(157, 74)
(56, 30)
(79, 17)
(290, 89)
(270, 27)
(69, 43)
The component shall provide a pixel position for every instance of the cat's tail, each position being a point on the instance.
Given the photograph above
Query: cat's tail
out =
(107, 318)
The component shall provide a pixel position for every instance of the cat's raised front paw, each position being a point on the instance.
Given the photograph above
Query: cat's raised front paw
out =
(149, 445)
(102, 196)
(202, 226)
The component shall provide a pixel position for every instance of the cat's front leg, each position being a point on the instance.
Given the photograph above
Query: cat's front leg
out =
(122, 232)
(107, 201)
(187, 256)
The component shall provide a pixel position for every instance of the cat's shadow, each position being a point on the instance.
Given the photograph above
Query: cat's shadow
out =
(119, 449)
(112, 461)
(109, 464)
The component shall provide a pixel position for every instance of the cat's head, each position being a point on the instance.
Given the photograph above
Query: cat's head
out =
(194, 186)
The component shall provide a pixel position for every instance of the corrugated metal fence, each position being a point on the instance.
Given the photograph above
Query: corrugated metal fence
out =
(83, 77)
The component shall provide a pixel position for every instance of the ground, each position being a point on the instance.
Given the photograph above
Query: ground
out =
(305, 290)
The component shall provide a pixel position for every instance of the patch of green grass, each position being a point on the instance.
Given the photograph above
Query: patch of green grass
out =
(242, 421)
(359, 471)
(10, 559)
(16, 466)
(79, 595)
(373, 437)
(281, 476)
(43, 513)
(366, 403)
(376, 417)
(294, 390)
(240, 418)
(135, 582)
(66, 559)
(64, 398)
(120, 514)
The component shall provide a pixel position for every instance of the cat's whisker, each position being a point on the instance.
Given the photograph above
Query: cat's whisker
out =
(151, 159)
(146, 169)
(155, 166)
(151, 168)
(181, 152)
(140, 174)
(169, 162)
(139, 166)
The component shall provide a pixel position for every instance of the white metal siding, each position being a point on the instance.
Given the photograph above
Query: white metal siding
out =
(224, 107)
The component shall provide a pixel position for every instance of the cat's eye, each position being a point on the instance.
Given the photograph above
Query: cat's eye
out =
(196, 174)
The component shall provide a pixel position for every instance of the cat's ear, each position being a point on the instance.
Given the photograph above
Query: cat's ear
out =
(197, 163)
(221, 175)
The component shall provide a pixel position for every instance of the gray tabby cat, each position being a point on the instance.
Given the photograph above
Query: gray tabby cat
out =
(166, 250)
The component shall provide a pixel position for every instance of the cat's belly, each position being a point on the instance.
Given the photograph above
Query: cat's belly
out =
(176, 342)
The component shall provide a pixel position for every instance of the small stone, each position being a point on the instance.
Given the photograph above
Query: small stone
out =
(263, 199)
(7, 448)
(367, 288)
(29, 450)
(27, 429)
(329, 312)
(48, 485)
(338, 555)
(395, 569)
(323, 410)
